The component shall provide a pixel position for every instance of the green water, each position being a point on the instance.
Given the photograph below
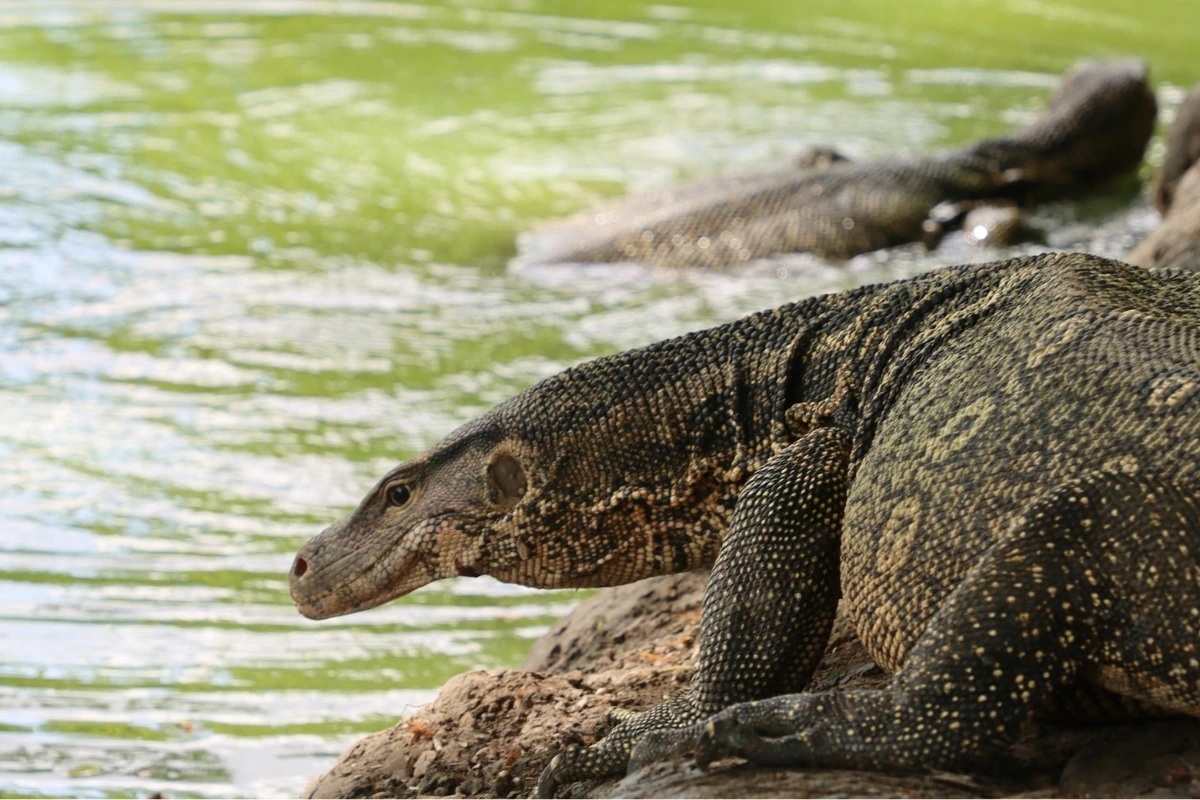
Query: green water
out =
(254, 253)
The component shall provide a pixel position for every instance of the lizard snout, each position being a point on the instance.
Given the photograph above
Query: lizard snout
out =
(348, 568)
(306, 583)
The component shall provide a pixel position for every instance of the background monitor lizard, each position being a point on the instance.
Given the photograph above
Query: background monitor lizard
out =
(1095, 129)
(995, 466)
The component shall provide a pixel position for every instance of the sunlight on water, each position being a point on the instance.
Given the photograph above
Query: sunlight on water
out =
(254, 254)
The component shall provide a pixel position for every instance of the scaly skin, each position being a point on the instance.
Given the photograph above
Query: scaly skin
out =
(1095, 129)
(1176, 243)
(994, 465)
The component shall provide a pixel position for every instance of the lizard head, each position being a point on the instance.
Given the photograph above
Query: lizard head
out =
(586, 479)
(1095, 129)
(451, 511)
(1099, 122)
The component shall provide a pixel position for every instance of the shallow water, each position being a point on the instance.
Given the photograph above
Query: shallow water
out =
(249, 261)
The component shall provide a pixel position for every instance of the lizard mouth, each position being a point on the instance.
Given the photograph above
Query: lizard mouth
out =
(351, 581)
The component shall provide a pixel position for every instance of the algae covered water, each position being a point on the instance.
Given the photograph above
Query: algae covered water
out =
(252, 254)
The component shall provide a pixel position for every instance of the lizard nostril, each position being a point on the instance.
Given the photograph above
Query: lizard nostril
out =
(300, 567)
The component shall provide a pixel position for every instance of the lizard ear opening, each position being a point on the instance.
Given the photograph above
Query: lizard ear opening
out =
(508, 479)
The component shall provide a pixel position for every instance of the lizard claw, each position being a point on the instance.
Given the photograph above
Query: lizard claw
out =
(604, 759)
(660, 744)
(550, 778)
(610, 756)
(725, 735)
(740, 730)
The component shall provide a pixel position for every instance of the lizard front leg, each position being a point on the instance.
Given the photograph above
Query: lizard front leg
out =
(768, 608)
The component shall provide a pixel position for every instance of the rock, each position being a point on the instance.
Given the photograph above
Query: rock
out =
(372, 766)
(997, 226)
(490, 733)
(1160, 759)
(642, 622)
(1176, 243)
(670, 780)
(514, 722)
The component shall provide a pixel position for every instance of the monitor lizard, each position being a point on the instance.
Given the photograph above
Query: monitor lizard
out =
(1095, 129)
(994, 466)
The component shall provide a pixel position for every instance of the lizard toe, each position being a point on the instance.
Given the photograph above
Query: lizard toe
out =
(619, 715)
(552, 775)
(610, 756)
(744, 729)
(726, 734)
(604, 759)
(658, 745)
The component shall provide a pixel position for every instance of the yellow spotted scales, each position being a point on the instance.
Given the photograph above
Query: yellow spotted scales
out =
(993, 465)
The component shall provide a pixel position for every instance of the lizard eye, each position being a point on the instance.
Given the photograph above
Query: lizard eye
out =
(399, 495)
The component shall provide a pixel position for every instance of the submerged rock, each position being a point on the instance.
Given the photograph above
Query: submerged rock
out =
(490, 732)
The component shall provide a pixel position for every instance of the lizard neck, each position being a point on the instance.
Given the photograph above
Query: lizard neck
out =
(644, 452)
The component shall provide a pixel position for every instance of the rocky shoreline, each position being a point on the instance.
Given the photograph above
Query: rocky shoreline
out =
(490, 732)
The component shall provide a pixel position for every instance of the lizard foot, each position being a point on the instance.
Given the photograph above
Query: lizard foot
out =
(609, 756)
(741, 730)
(603, 759)
(660, 745)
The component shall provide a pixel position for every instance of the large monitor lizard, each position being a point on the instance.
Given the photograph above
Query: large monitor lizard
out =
(1176, 243)
(1095, 129)
(995, 466)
